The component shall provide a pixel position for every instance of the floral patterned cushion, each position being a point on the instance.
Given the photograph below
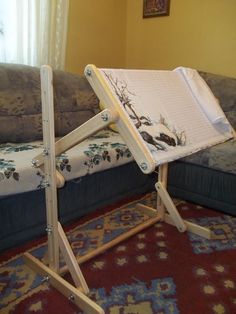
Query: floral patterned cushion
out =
(20, 102)
(104, 150)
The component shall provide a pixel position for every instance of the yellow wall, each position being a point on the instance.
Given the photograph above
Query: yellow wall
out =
(198, 33)
(96, 34)
(112, 33)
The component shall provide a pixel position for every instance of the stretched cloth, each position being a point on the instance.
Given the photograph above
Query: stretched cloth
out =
(164, 115)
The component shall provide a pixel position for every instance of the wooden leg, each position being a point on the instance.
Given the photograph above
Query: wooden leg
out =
(174, 217)
(50, 167)
(56, 237)
(170, 207)
(162, 177)
(73, 294)
(71, 261)
(192, 227)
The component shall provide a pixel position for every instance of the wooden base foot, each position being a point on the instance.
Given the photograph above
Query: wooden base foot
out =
(192, 227)
(188, 226)
(73, 294)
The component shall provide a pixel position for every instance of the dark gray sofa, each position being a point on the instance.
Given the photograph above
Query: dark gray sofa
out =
(207, 178)
(23, 216)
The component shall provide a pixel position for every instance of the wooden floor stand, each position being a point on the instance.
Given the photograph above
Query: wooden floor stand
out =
(57, 241)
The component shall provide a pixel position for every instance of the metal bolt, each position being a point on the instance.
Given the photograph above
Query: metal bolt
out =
(45, 152)
(104, 117)
(35, 163)
(71, 297)
(45, 279)
(45, 184)
(88, 72)
(49, 230)
(143, 166)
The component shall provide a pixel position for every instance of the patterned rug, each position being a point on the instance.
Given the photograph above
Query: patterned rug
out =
(157, 271)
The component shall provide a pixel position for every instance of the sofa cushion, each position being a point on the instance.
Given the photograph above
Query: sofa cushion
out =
(224, 88)
(20, 102)
(231, 116)
(221, 157)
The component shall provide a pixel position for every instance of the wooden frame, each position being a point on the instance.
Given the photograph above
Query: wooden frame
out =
(167, 210)
(154, 8)
(57, 241)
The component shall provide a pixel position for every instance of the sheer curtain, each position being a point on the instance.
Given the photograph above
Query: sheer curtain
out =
(33, 32)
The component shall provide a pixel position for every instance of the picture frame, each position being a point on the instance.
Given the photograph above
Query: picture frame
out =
(154, 8)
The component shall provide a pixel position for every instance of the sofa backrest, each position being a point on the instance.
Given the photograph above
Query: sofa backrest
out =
(74, 101)
(224, 88)
(20, 102)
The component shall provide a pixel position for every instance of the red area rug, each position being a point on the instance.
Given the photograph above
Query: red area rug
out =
(157, 271)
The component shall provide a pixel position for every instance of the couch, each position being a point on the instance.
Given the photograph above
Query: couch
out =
(106, 173)
(207, 178)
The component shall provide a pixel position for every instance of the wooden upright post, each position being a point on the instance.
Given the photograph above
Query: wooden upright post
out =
(57, 240)
(162, 177)
(50, 167)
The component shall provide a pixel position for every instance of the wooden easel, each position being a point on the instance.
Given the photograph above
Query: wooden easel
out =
(165, 206)
(57, 241)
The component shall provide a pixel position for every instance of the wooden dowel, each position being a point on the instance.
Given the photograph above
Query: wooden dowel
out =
(162, 177)
(101, 249)
(71, 261)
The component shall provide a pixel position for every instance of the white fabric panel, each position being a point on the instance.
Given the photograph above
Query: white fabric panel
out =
(207, 101)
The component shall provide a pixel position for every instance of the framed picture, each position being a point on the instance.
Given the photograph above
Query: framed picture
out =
(152, 8)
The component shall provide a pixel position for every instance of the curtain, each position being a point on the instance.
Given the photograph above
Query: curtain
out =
(33, 32)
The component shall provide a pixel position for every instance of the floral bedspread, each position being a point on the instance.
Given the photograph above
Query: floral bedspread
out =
(104, 150)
